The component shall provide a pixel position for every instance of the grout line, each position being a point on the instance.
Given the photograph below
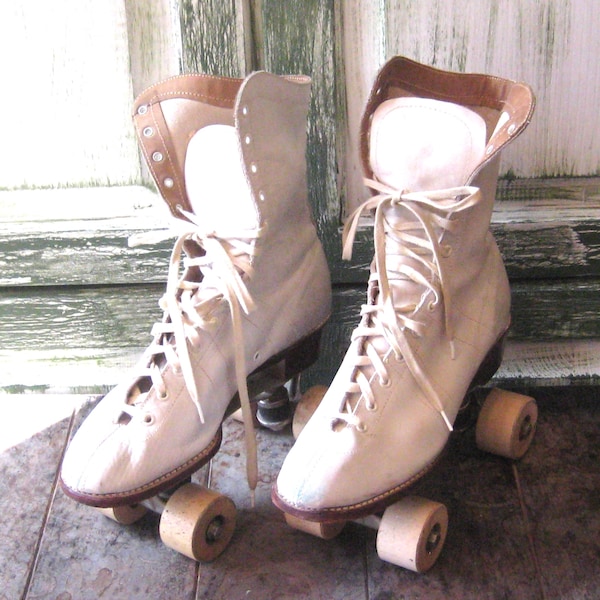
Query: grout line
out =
(36, 550)
(530, 539)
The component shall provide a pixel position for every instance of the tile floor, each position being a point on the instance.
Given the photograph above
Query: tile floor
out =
(524, 531)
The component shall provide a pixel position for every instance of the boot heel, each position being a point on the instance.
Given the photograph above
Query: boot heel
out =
(491, 363)
(267, 385)
(302, 354)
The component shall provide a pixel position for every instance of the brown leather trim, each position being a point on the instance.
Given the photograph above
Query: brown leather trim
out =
(401, 76)
(216, 91)
(156, 141)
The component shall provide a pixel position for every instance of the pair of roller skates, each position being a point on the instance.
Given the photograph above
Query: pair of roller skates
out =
(244, 315)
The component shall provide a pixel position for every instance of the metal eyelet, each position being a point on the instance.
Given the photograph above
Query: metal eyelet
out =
(361, 427)
(148, 419)
(446, 250)
(261, 196)
(371, 407)
(254, 168)
(385, 382)
(148, 132)
(247, 140)
(512, 128)
(157, 156)
(143, 109)
(168, 182)
(244, 110)
(489, 149)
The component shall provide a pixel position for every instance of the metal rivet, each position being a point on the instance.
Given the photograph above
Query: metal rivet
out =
(489, 149)
(157, 156)
(244, 110)
(512, 129)
(143, 109)
(254, 168)
(247, 139)
(261, 196)
(169, 183)
(148, 131)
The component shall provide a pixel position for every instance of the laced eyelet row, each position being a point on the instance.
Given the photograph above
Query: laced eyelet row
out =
(253, 165)
(157, 156)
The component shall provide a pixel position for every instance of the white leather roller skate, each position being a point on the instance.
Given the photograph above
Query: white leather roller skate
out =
(228, 157)
(436, 313)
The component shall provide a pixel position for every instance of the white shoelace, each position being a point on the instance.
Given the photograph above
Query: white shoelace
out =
(189, 307)
(417, 239)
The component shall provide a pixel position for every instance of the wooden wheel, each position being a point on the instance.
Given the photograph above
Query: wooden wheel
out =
(306, 407)
(412, 533)
(197, 522)
(506, 424)
(125, 515)
(325, 531)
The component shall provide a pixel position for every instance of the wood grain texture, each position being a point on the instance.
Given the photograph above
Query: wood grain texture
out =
(85, 340)
(213, 37)
(154, 42)
(545, 44)
(66, 120)
(300, 37)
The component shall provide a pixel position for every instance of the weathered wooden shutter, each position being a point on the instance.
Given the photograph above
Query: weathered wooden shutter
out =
(74, 295)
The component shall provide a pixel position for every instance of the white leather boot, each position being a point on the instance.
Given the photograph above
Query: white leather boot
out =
(228, 156)
(438, 298)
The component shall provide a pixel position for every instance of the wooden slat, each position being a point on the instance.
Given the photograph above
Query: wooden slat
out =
(213, 37)
(154, 42)
(27, 484)
(84, 340)
(80, 236)
(553, 320)
(67, 120)
(542, 43)
(73, 339)
(299, 36)
(544, 228)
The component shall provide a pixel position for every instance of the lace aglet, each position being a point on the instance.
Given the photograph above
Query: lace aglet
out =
(447, 421)
(252, 499)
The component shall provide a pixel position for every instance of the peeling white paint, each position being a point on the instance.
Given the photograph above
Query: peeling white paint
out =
(553, 46)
